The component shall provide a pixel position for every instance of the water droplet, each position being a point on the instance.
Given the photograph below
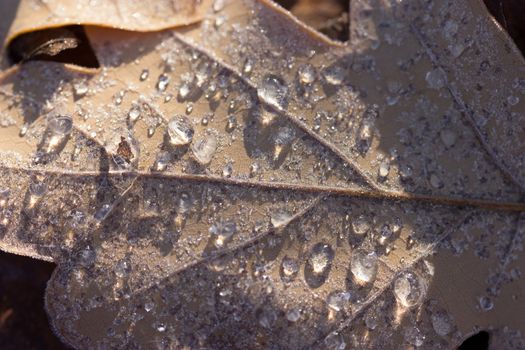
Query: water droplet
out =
(248, 66)
(148, 306)
(513, 100)
(103, 212)
(320, 258)
(161, 327)
(334, 341)
(436, 78)
(441, 322)
(144, 74)
(122, 268)
(180, 131)
(4, 197)
(450, 29)
(486, 303)
(231, 123)
(227, 170)
(254, 169)
(218, 5)
(435, 181)
(448, 137)
(61, 125)
(360, 225)
(189, 108)
(81, 88)
(184, 90)
(337, 300)
(414, 336)
(162, 160)
(134, 114)
(23, 129)
(222, 231)
(384, 168)
(384, 234)
(334, 75)
(293, 315)
(274, 91)
(289, 269)
(371, 319)
(204, 149)
(87, 257)
(306, 74)
(280, 219)
(162, 83)
(409, 289)
(364, 265)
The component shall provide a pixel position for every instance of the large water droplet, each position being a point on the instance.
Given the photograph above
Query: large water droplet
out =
(274, 91)
(364, 266)
(204, 149)
(441, 322)
(409, 289)
(222, 231)
(180, 131)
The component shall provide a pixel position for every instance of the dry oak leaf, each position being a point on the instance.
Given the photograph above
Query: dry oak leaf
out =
(244, 182)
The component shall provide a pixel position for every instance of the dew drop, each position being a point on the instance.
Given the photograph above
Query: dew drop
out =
(448, 137)
(280, 219)
(231, 123)
(148, 306)
(81, 88)
(222, 231)
(320, 258)
(364, 265)
(254, 169)
(414, 336)
(162, 83)
(61, 125)
(334, 341)
(486, 303)
(103, 212)
(218, 5)
(4, 197)
(436, 78)
(248, 66)
(180, 131)
(409, 289)
(144, 74)
(384, 168)
(360, 225)
(274, 91)
(435, 181)
(513, 100)
(441, 323)
(289, 269)
(227, 170)
(23, 129)
(337, 300)
(334, 75)
(134, 114)
(293, 315)
(204, 149)
(162, 160)
(306, 74)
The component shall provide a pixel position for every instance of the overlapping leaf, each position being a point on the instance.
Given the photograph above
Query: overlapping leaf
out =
(302, 155)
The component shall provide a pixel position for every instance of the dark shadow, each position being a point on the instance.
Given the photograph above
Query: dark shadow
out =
(23, 321)
(478, 341)
(67, 44)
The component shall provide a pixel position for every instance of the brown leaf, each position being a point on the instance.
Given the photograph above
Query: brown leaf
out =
(245, 182)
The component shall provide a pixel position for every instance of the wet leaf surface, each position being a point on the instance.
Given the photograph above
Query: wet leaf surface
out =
(246, 182)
